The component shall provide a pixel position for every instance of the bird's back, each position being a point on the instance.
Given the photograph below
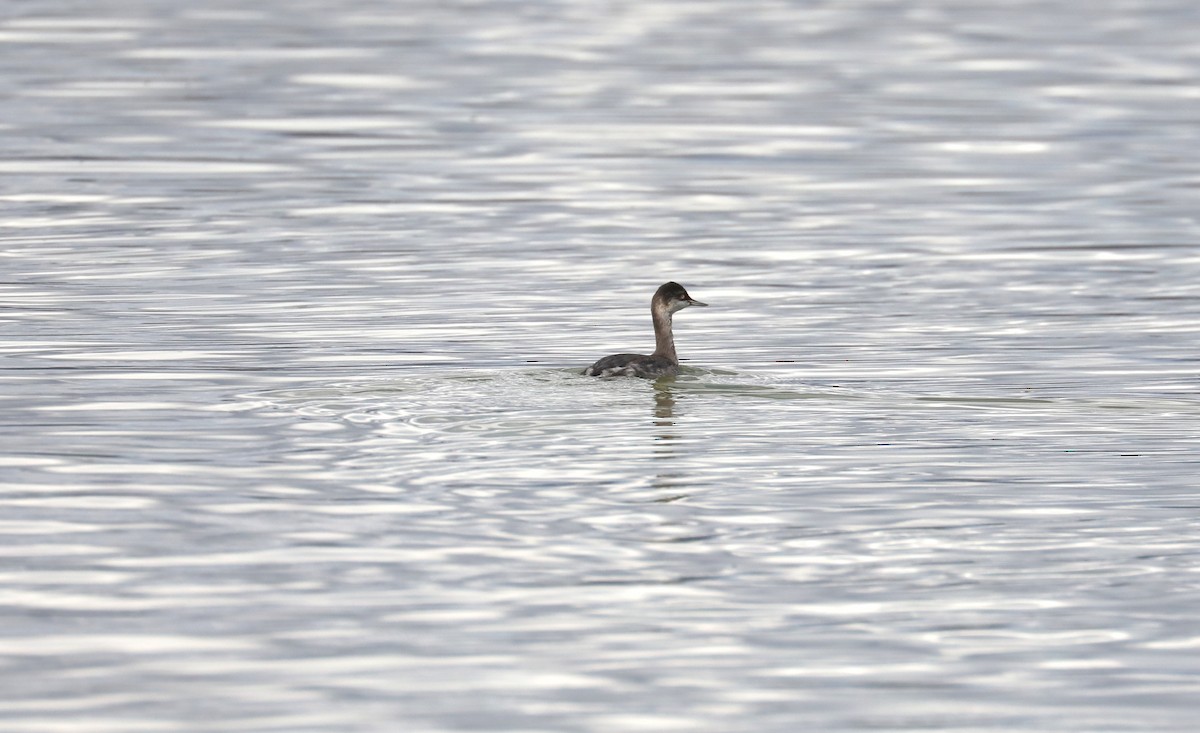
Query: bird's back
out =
(632, 365)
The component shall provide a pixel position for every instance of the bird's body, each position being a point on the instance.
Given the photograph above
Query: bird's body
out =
(668, 300)
(633, 365)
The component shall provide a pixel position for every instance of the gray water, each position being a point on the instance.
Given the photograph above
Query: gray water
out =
(294, 298)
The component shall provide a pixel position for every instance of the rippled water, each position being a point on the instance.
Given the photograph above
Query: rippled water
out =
(294, 297)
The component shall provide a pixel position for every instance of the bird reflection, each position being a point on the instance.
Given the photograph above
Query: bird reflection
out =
(664, 421)
(664, 405)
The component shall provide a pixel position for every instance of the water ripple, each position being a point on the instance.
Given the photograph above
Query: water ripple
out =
(295, 300)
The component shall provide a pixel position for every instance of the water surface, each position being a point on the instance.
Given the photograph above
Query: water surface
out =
(294, 300)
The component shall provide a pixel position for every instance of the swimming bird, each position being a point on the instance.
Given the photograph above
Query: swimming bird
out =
(669, 299)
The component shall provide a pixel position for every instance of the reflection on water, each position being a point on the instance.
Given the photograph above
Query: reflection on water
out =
(294, 301)
(664, 402)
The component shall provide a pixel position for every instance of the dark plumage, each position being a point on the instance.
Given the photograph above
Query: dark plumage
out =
(668, 299)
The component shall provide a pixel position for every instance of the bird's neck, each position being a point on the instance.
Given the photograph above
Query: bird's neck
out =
(664, 340)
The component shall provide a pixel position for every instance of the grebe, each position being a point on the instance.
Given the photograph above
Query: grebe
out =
(668, 299)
